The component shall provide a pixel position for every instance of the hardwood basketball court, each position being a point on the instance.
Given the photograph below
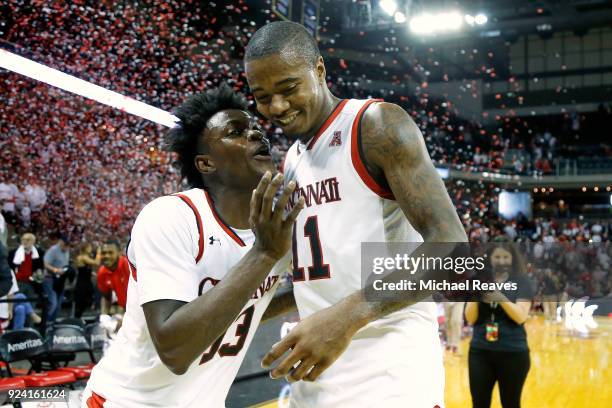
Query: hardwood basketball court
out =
(566, 371)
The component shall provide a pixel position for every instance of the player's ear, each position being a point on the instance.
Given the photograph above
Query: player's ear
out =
(205, 164)
(320, 68)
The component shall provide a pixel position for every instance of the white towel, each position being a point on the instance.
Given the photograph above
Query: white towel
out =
(20, 254)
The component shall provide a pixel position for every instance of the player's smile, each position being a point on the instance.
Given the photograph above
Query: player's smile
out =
(286, 121)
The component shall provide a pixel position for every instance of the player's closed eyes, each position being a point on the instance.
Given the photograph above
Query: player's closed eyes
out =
(290, 90)
(263, 100)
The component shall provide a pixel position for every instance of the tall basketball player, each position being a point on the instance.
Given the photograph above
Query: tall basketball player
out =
(364, 170)
(201, 265)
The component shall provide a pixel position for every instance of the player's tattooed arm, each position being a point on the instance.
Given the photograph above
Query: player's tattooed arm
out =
(396, 155)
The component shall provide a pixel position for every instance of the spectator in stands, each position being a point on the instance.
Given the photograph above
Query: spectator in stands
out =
(603, 256)
(40, 166)
(546, 167)
(8, 198)
(27, 263)
(3, 230)
(35, 196)
(113, 276)
(15, 314)
(6, 306)
(510, 230)
(6, 276)
(15, 310)
(596, 231)
(24, 314)
(84, 288)
(57, 261)
(7, 281)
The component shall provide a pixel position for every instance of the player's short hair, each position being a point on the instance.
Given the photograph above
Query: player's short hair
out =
(194, 113)
(283, 37)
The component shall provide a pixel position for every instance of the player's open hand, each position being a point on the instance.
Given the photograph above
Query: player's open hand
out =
(273, 230)
(315, 343)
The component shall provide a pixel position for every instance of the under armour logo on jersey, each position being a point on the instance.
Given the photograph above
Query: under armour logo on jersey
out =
(336, 139)
(212, 239)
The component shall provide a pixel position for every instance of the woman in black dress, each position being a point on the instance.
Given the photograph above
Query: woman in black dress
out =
(498, 351)
(83, 288)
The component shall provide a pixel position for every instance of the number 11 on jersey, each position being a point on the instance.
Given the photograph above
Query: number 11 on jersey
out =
(319, 269)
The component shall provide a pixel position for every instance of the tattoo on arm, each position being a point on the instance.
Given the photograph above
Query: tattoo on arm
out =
(395, 149)
(394, 145)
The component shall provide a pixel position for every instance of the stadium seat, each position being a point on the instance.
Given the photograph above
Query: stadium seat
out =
(18, 371)
(97, 337)
(81, 372)
(64, 342)
(75, 321)
(49, 378)
(28, 345)
(16, 345)
(11, 383)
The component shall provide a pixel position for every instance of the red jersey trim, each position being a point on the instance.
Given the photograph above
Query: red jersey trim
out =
(328, 122)
(357, 160)
(188, 201)
(131, 265)
(228, 230)
(132, 269)
(95, 401)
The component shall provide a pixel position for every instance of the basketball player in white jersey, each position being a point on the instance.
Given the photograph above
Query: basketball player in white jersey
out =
(201, 264)
(364, 171)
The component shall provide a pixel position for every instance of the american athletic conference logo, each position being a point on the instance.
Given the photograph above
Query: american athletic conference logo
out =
(336, 139)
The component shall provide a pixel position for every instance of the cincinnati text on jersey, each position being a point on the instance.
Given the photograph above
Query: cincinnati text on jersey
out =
(321, 192)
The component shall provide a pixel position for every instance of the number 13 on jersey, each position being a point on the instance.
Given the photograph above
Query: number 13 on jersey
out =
(318, 269)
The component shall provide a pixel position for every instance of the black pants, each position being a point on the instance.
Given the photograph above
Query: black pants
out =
(83, 296)
(486, 368)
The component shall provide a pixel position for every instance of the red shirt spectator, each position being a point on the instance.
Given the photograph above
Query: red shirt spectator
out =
(114, 273)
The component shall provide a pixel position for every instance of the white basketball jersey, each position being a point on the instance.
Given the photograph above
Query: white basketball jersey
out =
(344, 207)
(180, 248)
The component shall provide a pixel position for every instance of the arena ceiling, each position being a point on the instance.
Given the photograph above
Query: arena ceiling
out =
(511, 17)
(377, 40)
